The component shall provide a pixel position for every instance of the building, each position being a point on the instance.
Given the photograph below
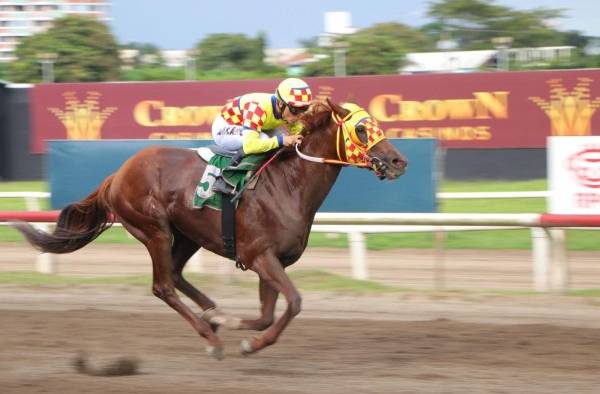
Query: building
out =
(471, 61)
(176, 57)
(292, 59)
(22, 18)
(449, 61)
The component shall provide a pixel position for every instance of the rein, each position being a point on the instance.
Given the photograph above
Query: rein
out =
(254, 176)
(327, 161)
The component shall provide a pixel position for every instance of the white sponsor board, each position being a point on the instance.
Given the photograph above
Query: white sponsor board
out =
(574, 175)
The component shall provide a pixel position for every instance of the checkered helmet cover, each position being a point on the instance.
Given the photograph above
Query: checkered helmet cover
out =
(294, 92)
(359, 116)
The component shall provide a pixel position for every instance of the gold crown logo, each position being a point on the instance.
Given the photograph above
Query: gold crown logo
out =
(82, 120)
(570, 113)
(324, 92)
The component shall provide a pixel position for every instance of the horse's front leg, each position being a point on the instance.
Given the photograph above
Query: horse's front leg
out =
(272, 275)
(268, 299)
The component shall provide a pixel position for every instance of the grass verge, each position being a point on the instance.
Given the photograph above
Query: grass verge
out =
(305, 280)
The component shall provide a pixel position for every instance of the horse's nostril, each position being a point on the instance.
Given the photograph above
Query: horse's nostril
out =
(398, 162)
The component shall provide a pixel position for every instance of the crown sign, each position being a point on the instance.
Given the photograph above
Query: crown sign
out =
(570, 113)
(82, 120)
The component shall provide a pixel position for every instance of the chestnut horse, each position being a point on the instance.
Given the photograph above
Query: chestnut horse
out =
(152, 193)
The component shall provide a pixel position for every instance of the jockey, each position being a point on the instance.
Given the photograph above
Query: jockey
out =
(259, 122)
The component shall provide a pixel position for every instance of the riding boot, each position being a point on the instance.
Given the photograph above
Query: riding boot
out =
(220, 186)
(237, 158)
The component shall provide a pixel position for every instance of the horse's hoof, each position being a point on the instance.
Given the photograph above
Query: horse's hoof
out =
(220, 318)
(209, 314)
(215, 352)
(227, 321)
(246, 347)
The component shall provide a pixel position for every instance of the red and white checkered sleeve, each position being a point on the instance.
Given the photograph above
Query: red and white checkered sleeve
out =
(253, 116)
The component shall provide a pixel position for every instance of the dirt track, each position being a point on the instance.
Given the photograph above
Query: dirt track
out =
(401, 343)
(339, 344)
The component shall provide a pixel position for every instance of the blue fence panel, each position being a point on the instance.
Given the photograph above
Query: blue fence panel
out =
(358, 190)
(76, 168)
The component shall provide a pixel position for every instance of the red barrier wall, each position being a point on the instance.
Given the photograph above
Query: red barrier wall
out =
(477, 110)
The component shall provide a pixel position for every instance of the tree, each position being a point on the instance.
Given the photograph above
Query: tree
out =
(576, 39)
(231, 52)
(473, 24)
(377, 50)
(84, 50)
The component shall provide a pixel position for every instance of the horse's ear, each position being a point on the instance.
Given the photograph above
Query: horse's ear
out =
(338, 109)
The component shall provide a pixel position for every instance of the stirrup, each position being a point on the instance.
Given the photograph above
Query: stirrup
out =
(220, 186)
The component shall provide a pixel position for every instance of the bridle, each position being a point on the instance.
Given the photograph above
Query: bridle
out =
(356, 151)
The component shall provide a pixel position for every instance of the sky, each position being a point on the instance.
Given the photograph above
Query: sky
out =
(180, 24)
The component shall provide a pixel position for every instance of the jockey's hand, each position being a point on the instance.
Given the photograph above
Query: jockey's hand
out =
(291, 140)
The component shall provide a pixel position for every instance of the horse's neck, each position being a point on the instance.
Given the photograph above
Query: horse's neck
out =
(314, 181)
(317, 183)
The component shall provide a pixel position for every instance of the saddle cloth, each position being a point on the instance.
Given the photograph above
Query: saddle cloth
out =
(218, 164)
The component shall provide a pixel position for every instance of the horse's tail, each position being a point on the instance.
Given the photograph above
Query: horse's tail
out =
(78, 224)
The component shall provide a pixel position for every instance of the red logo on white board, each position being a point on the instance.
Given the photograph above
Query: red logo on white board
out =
(585, 165)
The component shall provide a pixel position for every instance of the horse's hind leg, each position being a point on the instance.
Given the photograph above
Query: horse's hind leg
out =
(184, 248)
(164, 288)
(157, 239)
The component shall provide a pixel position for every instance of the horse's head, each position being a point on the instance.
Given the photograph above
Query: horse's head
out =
(363, 142)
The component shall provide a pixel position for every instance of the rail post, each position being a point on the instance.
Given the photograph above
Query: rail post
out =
(541, 255)
(45, 263)
(559, 268)
(439, 275)
(358, 255)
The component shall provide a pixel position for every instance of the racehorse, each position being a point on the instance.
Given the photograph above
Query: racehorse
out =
(151, 194)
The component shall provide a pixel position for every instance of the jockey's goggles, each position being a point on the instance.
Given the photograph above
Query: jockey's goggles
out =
(297, 110)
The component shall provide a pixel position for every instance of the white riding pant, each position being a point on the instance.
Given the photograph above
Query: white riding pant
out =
(228, 136)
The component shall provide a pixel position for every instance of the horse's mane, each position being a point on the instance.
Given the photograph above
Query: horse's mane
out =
(318, 117)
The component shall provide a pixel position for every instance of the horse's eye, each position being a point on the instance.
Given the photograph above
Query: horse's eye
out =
(361, 132)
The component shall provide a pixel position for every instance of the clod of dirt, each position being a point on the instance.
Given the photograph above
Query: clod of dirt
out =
(123, 366)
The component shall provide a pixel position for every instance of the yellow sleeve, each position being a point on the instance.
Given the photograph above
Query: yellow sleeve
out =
(253, 144)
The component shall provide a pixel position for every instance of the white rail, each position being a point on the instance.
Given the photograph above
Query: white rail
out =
(472, 195)
(432, 219)
(439, 195)
(549, 263)
(39, 195)
(549, 258)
